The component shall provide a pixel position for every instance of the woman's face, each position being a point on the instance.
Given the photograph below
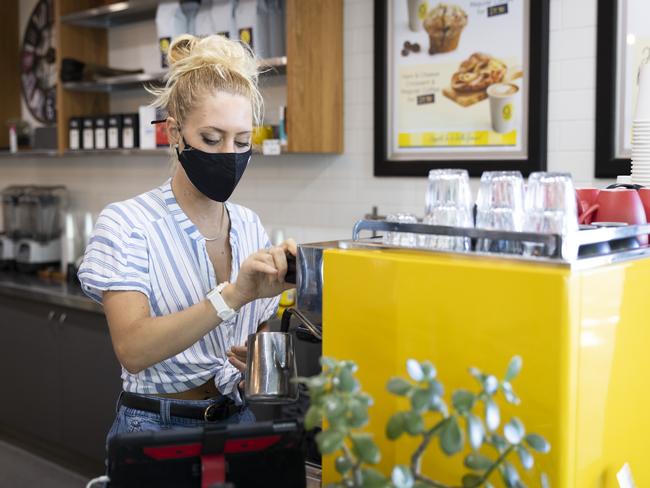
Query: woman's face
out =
(223, 122)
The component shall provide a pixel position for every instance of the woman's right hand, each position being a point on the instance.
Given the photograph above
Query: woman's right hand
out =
(262, 274)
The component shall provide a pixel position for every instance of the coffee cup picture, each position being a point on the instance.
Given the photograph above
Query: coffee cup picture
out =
(417, 12)
(504, 106)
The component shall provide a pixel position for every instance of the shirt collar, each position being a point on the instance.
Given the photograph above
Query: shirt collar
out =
(180, 217)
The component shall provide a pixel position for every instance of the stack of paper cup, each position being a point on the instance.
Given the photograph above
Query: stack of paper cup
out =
(641, 131)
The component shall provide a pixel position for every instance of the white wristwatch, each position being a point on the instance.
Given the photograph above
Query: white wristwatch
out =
(223, 310)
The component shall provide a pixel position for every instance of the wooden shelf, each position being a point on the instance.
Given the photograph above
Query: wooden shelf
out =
(30, 153)
(52, 153)
(159, 151)
(119, 13)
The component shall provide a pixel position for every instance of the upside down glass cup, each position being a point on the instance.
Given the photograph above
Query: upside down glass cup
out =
(448, 203)
(550, 209)
(500, 206)
(401, 239)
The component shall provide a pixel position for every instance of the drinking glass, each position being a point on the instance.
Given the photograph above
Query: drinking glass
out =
(403, 239)
(550, 208)
(449, 203)
(500, 206)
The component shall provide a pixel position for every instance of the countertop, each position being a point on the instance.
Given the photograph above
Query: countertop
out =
(31, 287)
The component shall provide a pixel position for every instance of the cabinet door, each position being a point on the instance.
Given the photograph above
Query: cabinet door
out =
(90, 382)
(30, 400)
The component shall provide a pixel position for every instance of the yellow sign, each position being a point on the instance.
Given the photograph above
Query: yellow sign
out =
(479, 138)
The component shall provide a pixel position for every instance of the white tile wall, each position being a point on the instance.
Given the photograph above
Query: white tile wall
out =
(320, 197)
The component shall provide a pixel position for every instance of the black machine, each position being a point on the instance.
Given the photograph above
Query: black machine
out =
(233, 456)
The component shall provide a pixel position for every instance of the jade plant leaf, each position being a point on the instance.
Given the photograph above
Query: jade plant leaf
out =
(313, 417)
(395, 426)
(343, 464)
(475, 431)
(506, 387)
(428, 369)
(329, 441)
(421, 399)
(525, 457)
(478, 462)
(463, 401)
(543, 479)
(471, 480)
(373, 478)
(514, 431)
(413, 423)
(491, 384)
(334, 407)
(357, 413)
(514, 367)
(538, 443)
(399, 386)
(402, 477)
(414, 370)
(492, 416)
(346, 381)
(364, 447)
(451, 437)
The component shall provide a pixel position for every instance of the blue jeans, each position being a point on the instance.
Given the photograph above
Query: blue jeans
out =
(133, 420)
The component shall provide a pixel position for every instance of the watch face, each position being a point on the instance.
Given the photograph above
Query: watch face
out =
(38, 63)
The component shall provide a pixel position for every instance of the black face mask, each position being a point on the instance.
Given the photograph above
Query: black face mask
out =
(214, 174)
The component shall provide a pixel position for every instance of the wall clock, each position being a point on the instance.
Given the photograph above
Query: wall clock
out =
(38, 63)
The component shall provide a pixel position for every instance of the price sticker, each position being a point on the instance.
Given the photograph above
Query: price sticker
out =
(271, 147)
(497, 10)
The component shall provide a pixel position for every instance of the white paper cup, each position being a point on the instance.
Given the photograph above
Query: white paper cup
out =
(417, 11)
(643, 98)
(504, 106)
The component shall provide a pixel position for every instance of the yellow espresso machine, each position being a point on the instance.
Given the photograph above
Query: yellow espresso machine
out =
(580, 324)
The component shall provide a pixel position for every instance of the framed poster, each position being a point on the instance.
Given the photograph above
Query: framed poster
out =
(460, 84)
(623, 44)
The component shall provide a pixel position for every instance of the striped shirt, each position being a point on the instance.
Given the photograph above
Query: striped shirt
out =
(148, 244)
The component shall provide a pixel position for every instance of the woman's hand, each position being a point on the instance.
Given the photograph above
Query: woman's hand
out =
(262, 275)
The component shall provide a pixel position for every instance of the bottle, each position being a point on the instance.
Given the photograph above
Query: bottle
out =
(13, 140)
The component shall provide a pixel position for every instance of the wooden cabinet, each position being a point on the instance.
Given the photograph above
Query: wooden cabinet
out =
(61, 380)
(315, 76)
(314, 66)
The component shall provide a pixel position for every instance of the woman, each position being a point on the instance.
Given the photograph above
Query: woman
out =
(179, 269)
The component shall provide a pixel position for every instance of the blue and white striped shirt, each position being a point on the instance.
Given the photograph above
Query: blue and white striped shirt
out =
(148, 244)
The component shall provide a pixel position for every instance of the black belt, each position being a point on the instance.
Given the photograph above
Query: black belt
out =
(219, 410)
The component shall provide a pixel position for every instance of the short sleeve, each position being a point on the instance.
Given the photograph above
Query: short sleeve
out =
(116, 258)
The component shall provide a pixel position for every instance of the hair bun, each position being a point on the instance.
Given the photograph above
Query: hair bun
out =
(188, 53)
(181, 48)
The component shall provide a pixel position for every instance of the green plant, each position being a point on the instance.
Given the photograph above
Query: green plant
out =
(336, 397)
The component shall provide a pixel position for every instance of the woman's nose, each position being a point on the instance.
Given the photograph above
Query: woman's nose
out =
(229, 145)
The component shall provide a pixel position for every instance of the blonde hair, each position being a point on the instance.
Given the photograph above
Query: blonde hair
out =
(202, 64)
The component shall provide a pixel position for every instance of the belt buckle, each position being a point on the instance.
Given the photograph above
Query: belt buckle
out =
(210, 413)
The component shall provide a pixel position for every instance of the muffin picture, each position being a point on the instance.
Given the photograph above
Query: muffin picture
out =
(444, 23)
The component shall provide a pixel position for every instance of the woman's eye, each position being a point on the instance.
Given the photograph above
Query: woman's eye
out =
(242, 144)
(211, 142)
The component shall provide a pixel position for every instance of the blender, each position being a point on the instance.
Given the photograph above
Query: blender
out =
(10, 221)
(40, 225)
